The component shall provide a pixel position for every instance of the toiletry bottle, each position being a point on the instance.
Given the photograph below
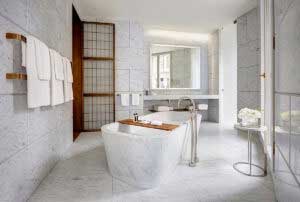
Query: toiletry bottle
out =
(136, 117)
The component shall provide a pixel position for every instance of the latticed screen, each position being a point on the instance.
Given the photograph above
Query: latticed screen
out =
(98, 70)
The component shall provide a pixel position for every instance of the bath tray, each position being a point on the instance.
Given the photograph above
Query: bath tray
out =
(164, 126)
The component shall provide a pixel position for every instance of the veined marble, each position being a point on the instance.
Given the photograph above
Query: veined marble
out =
(145, 157)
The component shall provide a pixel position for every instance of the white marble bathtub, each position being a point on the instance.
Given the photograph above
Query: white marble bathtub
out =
(145, 157)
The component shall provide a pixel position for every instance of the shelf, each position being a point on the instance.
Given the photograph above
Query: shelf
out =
(98, 58)
(98, 94)
(177, 97)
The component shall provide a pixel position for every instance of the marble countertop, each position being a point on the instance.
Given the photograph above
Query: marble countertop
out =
(176, 97)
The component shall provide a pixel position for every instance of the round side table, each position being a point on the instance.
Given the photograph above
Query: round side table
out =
(252, 166)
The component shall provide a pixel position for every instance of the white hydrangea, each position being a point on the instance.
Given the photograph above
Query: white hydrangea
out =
(249, 114)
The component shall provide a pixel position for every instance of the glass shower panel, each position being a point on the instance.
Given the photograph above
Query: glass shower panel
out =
(295, 136)
(282, 124)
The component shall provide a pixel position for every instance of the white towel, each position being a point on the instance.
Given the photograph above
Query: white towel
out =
(162, 108)
(57, 85)
(42, 60)
(135, 99)
(202, 106)
(156, 123)
(38, 91)
(68, 90)
(23, 47)
(125, 99)
(58, 67)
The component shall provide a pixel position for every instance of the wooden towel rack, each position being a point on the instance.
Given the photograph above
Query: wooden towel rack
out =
(19, 37)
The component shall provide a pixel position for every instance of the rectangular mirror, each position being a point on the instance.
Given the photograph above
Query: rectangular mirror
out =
(175, 67)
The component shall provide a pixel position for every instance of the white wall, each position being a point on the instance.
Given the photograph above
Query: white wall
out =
(228, 75)
(31, 140)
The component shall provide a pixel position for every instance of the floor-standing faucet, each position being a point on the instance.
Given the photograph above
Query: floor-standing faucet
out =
(194, 135)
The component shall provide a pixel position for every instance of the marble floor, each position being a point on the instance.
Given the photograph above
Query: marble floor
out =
(83, 175)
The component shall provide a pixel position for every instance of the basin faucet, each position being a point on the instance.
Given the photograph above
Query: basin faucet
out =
(186, 98)
(194, 130)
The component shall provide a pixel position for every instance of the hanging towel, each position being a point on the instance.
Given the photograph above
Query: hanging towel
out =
(68, 80)
(135, 99)
(38, 91)
(202, 106)
(57, 77)
(59, 67)
(42, 60)
(23, 47)
(125, 99)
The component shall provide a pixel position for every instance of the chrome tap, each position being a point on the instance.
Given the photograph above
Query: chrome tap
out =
(186, 98)
(194, 135)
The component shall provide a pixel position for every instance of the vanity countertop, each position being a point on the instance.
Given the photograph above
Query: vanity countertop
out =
(176, 97)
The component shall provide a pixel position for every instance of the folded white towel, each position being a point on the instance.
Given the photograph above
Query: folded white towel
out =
(38, 91)
(68, 90)
(23, 47)
(156, 123)
(202, 106)
(162, 108)
(125, 99)
(57, 85)
(135, 99)
(42, 60)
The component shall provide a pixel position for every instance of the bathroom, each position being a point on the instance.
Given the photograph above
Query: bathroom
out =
(144, 100)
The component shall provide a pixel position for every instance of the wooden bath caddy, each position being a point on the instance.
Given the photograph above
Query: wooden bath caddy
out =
(164, 126)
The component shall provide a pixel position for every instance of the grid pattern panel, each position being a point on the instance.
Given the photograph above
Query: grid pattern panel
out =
(98, 70)
(98, 40)
(98, 76)
(98, 111)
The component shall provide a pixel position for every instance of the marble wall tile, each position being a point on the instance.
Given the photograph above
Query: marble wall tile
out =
(122, 80)
(248, 33)
(140, 112)
(242, 30)
(281, 8)
(120, 115)
(14, 178)
(248, 54)
(13, 125)
(15, 10)
(136, 80)
(122, 34)
(249, 79)
(248, 99)
(10, 59)
(41, 122)
(136, 35)
(41, 161)
(253, 25)
(242, 79)
(33, 140)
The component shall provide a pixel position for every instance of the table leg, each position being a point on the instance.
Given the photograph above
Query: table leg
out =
(250, 153)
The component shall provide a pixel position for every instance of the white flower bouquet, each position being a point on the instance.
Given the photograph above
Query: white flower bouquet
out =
(249, 117)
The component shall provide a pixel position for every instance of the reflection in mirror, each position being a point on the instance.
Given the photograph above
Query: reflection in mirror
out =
(175, 67)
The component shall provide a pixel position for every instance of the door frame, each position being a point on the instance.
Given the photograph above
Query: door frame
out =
(77, 71)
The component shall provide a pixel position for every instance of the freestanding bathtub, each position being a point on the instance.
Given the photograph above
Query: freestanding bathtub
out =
(144, 157)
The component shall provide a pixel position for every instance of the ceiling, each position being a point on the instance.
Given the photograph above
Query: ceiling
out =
(198, 16)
